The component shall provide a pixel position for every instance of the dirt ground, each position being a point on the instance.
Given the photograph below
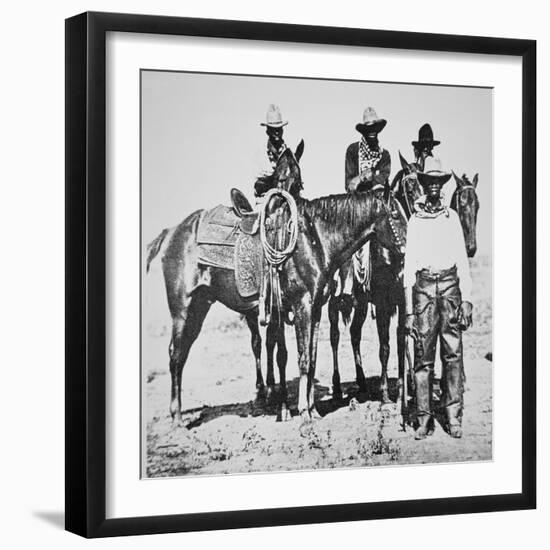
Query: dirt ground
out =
(227, 429)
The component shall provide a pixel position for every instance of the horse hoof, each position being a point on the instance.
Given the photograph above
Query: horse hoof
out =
(337, 394)
(314, 414)
(284, 414)
(260, 392)
(269, 393)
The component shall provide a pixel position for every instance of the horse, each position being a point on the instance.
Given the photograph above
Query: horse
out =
(189, 301)
(387, 295)
(331, 230)
(465, 202)
(386, 292)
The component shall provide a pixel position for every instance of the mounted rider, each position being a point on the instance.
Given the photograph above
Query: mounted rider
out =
(274, 125)
(423, 146)
(367, 168)
(438, 294)
(368, 165)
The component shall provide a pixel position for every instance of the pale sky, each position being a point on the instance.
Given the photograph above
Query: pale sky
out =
(201, 136)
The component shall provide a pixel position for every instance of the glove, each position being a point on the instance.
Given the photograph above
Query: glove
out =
(410, 328)
(465, 316)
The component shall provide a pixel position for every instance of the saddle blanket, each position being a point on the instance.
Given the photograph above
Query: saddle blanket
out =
(223, 244)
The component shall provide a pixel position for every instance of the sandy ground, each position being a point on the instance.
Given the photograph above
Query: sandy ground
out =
(229, 430)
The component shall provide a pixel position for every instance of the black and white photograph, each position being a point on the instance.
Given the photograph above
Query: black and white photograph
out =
(316, 273)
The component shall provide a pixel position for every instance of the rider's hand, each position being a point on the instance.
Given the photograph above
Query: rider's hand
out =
(465, 317)
(410, 328)
(366, 175)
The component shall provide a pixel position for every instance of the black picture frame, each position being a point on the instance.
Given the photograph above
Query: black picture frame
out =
(86, 269)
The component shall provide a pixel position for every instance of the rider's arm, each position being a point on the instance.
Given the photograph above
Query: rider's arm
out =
(351, 168)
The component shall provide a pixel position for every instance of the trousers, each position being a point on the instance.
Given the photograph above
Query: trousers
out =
(436, 302)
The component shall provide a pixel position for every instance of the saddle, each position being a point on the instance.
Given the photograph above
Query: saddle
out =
(228, 237)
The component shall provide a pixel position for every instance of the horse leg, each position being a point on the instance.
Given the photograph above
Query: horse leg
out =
(302, 326)
(282, 358)
(316, 321)
(356, 329)
(271, 340)
(256, 342)
(185, 329)
(383, 326)
(333, 314)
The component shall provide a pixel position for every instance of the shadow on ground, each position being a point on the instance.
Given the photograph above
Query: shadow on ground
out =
(263, 406)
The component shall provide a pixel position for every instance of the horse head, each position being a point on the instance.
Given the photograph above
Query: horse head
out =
(466, 204)
(406, 186)
(287, 175)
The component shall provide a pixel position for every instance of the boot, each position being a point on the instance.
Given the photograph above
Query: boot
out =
(423, 426)
(454, 420)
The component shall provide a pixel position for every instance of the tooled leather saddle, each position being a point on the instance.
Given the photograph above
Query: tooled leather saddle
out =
(228, 237)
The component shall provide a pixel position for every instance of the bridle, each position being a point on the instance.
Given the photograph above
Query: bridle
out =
(387, 206)
(405, 192)
(458, 194)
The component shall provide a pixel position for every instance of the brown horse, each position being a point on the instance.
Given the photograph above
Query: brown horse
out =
(189, 301)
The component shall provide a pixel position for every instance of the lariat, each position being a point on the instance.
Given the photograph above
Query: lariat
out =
(276, 254)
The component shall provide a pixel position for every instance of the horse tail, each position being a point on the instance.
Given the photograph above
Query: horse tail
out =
(154, 246)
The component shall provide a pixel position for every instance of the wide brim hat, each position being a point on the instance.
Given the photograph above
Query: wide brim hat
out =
(273, 118)
(425, 137)
(433, 173)
(371, 122)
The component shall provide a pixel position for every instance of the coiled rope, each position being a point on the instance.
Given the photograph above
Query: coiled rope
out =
(276, 257)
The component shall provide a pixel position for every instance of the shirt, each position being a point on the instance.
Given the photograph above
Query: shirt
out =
(380, 171)
(436, 242)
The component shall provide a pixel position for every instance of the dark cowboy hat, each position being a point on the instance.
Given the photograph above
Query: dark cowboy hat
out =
(433, 173)
(425, 137)
(371, 122)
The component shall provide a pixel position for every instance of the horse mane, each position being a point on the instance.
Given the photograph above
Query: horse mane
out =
(340, 211)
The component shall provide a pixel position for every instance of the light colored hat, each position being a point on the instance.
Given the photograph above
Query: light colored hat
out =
(371, 122)
(433, 171)
(273, 118)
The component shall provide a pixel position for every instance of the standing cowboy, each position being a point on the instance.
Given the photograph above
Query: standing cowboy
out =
(423, 147)
(438, 299)
(367, 164)
(274, 125)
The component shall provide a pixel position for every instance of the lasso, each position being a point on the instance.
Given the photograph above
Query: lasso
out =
(274, 257)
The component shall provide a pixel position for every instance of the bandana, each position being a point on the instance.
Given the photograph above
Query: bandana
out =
(274, 154)
(423, 209)
(368, 158)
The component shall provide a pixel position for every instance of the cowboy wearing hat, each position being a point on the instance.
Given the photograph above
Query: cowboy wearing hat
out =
(423, 147)
(274, 125)
(367, 167)
(438, 291)
(367, 164)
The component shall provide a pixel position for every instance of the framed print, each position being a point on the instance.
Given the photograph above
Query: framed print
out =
(300, 273)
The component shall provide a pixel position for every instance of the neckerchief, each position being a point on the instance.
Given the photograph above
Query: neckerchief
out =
(368, 158)
(423, 209)
(274, 154)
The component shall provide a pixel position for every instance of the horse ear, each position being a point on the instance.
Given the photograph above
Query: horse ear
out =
(404, 164)
(299, 150)
(459, 182)
(474, 181)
